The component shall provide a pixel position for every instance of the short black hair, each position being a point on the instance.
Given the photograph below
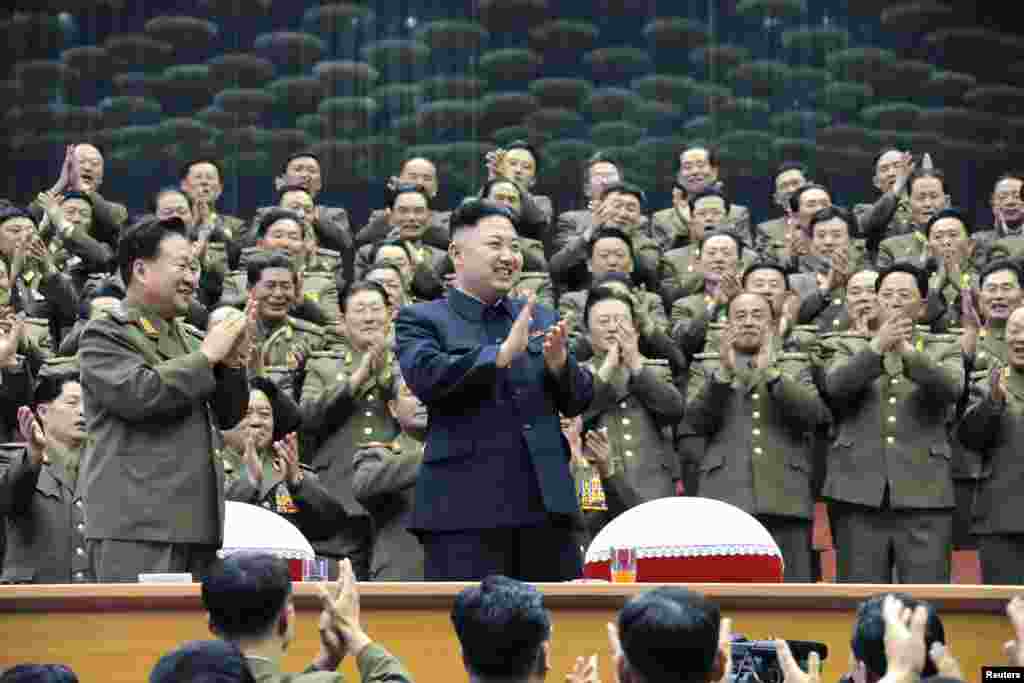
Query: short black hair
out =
(714, 158)
(868, 642)
(601, 157)
(142, 241)
(670, 634)
(53, 375)
(244, 594)
(501, 625)
(274, 215)
(881, 153)
(794, 199)
(472, 211)
(39, 673)
(787, 166)
(384, 266)
(187, 167)
(922, 173)
(259, 262)
(919, 275)
(708, 192)
(305, 154)
(1009, 175)
(523, 144)
(833, 213)
(626, 188)
(765, 265)
(167, 189)
(947, 213)
(603, 293)
(413, 157)
(354, 288)
(408, 188)
(387, 243)
(75, 194)
(12, 211)
(609, 233)
(485, 191)
(999, 266)
(203, 661)
(723, 233)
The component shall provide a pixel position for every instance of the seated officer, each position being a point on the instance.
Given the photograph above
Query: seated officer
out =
(210, 249)
(344, 404)
(410, 216)
(950, 249)
(679, 270)
(383, 481)
(414, 170)
(889, 485)
(40, 492)
(281, 340)
(68, 234)
(264, 469)
(202, 181)
(280, 229)
(534, 223)
(635, 402)
(834, 254)
(757, 407)
(927, 196)
(770, 236)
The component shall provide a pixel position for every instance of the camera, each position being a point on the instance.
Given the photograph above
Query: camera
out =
(755, 661)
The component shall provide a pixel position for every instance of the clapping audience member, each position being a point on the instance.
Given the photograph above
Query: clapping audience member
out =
(249, 600)
(38, 673)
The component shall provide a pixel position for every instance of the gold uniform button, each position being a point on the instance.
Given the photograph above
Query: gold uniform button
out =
(894, 380)
(757, 432)
(890, 440)
(892, 418)
(371, 397)
(758, 451)
(835, 323)
(623, 405)
(755, 396)
(756, 415)
(629, 454)
(627, 437)
(892, 400)
(625, 421)
(837, 302)
(368, 430)
(80, 526)
(340, 377)
(369, 413)
(80, 551)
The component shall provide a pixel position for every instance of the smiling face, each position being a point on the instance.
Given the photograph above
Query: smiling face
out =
(830, 237)
(285, 234)
(625, 211)
(898, 293)
(202, 183)
(301, 203)
(1015, 339)
(1000, 295)
(90, 167)
(275, 293)
(520, 166)
(487, 258)
(259, 419)
(78, 212)
(13, 232)
(366, 316)
(1006, 200)
(719, 255)
(696, 173)
(168, 281)
(422, 172)
(410, 215)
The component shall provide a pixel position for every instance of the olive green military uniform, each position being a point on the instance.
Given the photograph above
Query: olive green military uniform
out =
(889, 472)
(770, 239)
(154, 407)
(336, 420)
(680, 275)
(888, 217)
(670, 228)
(536, 283)
(319, 282)
(758, 424)
(290, 344)
(568, 265)
(996, 430)
(908, 248)
(428, 274)
(1006, 247)
(639, 411)
(375, 664)
(383, 481)
(648, 308)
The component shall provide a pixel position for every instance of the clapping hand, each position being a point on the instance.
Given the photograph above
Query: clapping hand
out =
(32, 432)
(519, 335)
(729, 287)
(253, 463)
(65, 171)
(629, 347)
(998, 383)
(12, 330)
(287, 460)
(341, 632)
(727, 349)
(556, 347)
(970, 321)
(597, 450)
(904, 639)
(838, 271)
(1015, 648)
(791, 669)
(493, 162)
(584, 671)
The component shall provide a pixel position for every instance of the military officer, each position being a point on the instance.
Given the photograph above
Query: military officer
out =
(153, 391)
(720, 264)
(281, 340)
(384, 480)
(533, 221)
(635, 401)
(994, 425)
(67, 229)
(951, 247)
(202, 182)
(41, 493)
(757, 407)
(890, 489)
(410, 215)
(599, 172)
(344, 403)
(414, 170)
(770, 236)
(1008, 226)
(621, 207)
(927, 196)
(679, 268)
(823, 295)
(889, 215)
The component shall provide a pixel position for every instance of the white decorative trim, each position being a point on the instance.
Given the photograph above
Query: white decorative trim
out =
(285, 553)
(604, 554)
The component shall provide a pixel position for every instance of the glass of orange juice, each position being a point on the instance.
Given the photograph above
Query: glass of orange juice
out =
(623, 565)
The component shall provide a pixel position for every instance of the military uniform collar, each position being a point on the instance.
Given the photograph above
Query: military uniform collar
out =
(468, 306)
(1015, 381)
(63, 464)
(148, 318)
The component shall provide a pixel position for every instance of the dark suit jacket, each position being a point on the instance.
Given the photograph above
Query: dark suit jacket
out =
(152, 410)
(495, 453)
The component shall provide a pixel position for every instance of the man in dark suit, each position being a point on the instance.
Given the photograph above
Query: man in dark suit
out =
(494, 494)
(153, 393)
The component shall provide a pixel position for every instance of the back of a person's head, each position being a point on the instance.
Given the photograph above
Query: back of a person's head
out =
(202, 661)
(244, 594)
(502, 626)
(670, 634)
(38, 673)
(868, 643)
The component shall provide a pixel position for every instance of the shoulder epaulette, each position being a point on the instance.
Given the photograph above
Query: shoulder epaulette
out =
(707, 356)
(792, 355)
(38, 321)
(377, 444)
(193, 330)
(322, 251)
(942, 337)
(338, 353)
(807, 328)
(306, 326)
(656, 361)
